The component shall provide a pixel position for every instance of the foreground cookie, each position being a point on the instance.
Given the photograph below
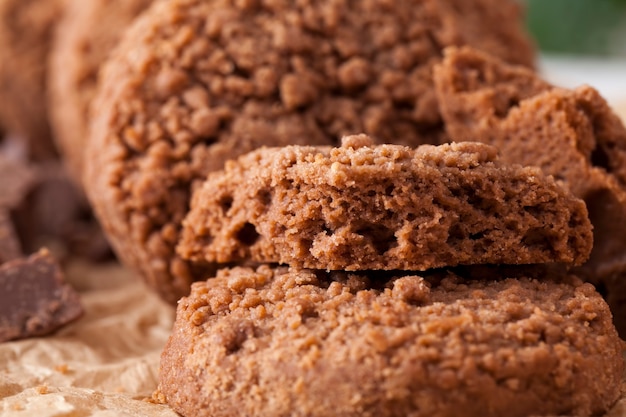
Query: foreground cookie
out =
(363, 207)
(573, 135)
(196, 82)
(84, 38)
(26, 29)
(279, 342)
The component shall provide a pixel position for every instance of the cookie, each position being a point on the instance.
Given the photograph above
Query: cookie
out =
(194, 83)
(572, 135)
(366, 207)
(84, 38)
(288, 342)
(26, 28)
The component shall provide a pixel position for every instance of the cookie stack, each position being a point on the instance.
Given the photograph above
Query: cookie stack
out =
(388, 301)
(194, 83)
(571, 134)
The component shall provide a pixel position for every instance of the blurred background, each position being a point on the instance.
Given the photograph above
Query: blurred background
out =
(589, 27)
(582, 42)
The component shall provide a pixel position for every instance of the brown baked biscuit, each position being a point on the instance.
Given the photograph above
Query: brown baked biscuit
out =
(25, 33)
(279, 342)
(84, 38)
(573, 135)
(197, 82)
(366, 207)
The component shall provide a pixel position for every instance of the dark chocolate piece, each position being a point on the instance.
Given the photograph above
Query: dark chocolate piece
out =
(34, 299)
(56, 214)
(9, 243)
(16, 180)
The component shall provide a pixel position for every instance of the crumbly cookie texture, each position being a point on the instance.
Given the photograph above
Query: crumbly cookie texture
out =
(572, 135)
(26, 31)
(86, 35)
(195, 82)
(362, 206)
(287, 342)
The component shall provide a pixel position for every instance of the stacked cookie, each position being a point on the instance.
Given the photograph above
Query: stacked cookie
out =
(194, 83)
(371, 314)
(573, 135)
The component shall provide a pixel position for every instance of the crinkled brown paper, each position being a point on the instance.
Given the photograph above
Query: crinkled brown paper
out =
(105, 364)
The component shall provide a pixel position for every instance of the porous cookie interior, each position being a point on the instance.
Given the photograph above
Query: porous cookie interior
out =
(363, 206)
(275, 341)
(195, 83)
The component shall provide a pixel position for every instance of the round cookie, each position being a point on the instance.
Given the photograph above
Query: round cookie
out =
(196, 82)
(84, 38)
(365, 207)
(573, 135)
(26, 28)
(287, 342)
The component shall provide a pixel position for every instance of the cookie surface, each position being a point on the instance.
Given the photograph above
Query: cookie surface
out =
(26, 30)
(573, 135)
(196, 82)
(366, 207)
(85, 36)
(279, 342)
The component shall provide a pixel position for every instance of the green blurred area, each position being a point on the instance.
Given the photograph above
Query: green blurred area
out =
(592, 27)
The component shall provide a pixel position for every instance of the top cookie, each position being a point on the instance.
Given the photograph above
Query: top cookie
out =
(196, 82)
(365, 207)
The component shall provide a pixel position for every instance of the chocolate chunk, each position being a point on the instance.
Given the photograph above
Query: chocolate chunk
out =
(17, 179)
(9, 244)
(55, 214)
(35, 300)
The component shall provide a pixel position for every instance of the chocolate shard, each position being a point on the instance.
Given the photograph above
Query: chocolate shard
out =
(9, 244)
(34, 299)
(16, 181)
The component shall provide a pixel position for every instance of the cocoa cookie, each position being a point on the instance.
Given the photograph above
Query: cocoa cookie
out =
(84, 38)
(195, 82)
(287, 342)
(366, 207)
(26, 28)
(573, 135)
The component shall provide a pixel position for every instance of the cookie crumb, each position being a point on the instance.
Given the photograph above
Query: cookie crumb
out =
(62, 368)
(357, 141)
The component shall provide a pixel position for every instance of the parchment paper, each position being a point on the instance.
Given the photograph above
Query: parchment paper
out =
(105, 364)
